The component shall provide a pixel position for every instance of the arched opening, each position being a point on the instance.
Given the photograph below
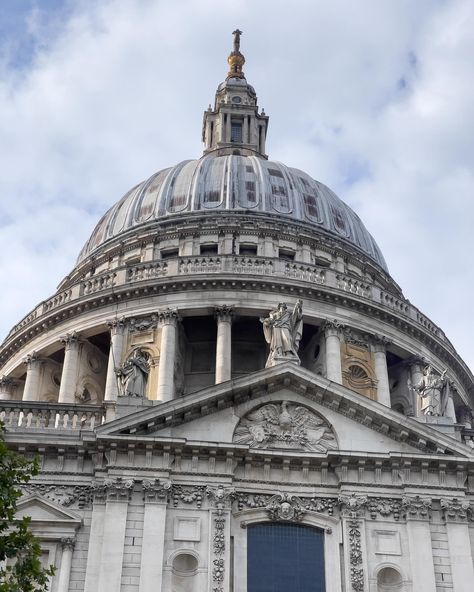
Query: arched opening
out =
(282, 557)
(389, 579)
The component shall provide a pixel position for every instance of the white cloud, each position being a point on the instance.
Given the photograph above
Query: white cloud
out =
(373, 98)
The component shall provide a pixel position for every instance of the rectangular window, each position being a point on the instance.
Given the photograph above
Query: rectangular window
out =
(248, 250)
(208, 250)
(286, 254)
(169, 253)
(236, 132)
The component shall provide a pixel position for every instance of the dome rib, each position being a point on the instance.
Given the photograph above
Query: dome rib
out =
(234, 183)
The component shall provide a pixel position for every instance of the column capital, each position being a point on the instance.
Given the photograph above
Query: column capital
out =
(116, 325)
(333, 327)
(416, 507)
(221, 496)
(156, 490)
(224, 313)
(70, 340)
(113, 490)
(352, 506)
(68, 543)
(32, 359)
(169, 316)
(455, 510)
(415, 361)
(379, 343)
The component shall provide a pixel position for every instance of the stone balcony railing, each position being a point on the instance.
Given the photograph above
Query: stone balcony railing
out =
(261, 267)
(36, 415)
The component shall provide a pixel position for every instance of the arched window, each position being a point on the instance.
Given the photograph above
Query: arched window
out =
(283, 557)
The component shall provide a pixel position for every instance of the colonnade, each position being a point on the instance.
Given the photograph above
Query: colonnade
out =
(168, 321)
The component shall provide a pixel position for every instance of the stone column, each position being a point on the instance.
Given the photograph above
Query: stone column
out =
(118, 493)
(169, 327)
(33, 376)
(66, 562)
(6, 388)
(117, 337)
(460, 553)
(418, 512)
(450, 411)
(332, 331)
(223, 315)
(67, 389)
(228, 129)
(153, 544)
(379, 348)
(416, 374)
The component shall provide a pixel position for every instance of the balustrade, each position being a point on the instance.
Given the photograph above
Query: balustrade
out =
(24, 415)
(232, 264)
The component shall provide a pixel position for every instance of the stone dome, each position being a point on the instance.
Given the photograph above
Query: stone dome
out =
(234, 183)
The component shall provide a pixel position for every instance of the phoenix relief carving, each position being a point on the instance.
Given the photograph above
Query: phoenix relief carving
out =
(285, 426)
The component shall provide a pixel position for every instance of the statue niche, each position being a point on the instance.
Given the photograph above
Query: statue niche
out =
(132, 376)
(286, 426)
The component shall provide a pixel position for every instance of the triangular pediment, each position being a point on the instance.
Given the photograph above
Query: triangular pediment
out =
(346, 412)
(42, 510)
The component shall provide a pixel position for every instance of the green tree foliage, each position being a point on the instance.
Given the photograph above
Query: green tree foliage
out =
(18, 546)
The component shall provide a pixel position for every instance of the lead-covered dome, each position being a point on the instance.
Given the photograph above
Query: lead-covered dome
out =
(234, 183)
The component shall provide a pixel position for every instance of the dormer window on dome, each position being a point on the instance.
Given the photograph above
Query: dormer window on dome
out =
(235, 125)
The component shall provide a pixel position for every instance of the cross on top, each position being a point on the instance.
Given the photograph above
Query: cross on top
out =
(237, 33)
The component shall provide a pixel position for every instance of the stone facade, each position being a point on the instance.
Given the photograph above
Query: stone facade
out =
(163, 437)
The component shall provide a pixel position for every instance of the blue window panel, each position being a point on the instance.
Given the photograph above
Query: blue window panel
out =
(285, 558)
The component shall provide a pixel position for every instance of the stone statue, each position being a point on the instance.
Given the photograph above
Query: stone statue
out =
(434, 391)
(283, 330)
(132, 376)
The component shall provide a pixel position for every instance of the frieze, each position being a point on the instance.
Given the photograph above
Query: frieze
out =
(79, 496)
(385, 507)
(312, 504)
(285, 426)
(188, 495)
(145, 323)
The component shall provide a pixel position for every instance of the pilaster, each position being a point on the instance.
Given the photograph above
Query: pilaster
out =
(67, 545)
(155, 495)
(352, 509)
(417, 511)
(455, 513)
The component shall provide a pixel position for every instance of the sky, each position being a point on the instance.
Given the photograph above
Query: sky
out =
(374, 98)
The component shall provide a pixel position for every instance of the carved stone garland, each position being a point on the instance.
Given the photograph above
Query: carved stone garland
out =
(222, 498)
(352, 507)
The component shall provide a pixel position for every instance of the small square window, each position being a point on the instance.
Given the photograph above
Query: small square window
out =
(248, 250)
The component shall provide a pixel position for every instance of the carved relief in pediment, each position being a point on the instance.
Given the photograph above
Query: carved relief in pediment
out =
(286, 426)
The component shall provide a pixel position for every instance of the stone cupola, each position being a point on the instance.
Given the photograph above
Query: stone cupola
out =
(235, 125)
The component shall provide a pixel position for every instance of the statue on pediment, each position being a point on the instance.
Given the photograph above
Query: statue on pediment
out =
(286, 426)
(434, 391)
(132, 376)
(283, 330)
